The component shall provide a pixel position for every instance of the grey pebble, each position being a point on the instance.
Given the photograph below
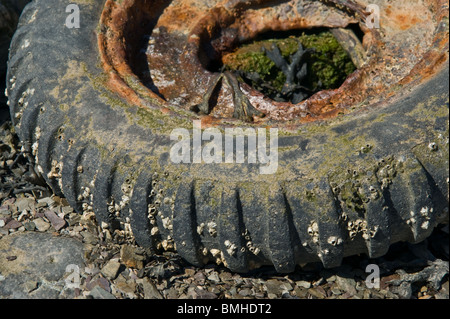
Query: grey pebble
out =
(89, 238)
(245, 292)
(99, 293)
(41, 225)
(150, 290)
(273, 286)
(214, 277)
(346, 284)
(303, 284)
(111, 269)
(55, 220)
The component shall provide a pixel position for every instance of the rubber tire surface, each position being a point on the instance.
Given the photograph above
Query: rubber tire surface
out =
(348, 186)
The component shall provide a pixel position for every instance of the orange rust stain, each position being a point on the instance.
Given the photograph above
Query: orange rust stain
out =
(427, 67)
(404, 20)
(178, 17)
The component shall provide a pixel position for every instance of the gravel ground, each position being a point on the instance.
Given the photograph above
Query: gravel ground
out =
(48, 251)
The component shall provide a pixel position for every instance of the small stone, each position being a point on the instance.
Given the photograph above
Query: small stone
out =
(204, 294)
(245, 292)
(336, 291)
(46, 201)
(331, 278)
(127, 287)
(150, 290)
(89, 238)
(31, 285)
(22, 204)
(214, 277)
(286, 286)
(315, 292)
(303, 284)
(346, 284)
(301, 292)
(111, 269)
(99, 293)
(41, 225)
(132, 256)
(273, 286)
(4, 211)
(200, 278)
(13, 224)
(225, 276)
(30, 226)
(56, 221)
(2, 222)
(67, 210)
(189, 272)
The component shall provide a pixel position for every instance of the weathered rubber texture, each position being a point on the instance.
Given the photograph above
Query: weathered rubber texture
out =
(352, 185)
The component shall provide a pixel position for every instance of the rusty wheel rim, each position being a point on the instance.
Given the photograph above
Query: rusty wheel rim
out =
(410, 46)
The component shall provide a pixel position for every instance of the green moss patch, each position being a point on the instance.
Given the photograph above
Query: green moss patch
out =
(327, 67)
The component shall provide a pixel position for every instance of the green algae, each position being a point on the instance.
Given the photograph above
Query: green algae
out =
(328, 66)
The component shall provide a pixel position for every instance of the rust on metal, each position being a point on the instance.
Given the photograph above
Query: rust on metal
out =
(158, 54)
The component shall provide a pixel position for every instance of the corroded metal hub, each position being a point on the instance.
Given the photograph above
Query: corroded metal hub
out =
(158, 53)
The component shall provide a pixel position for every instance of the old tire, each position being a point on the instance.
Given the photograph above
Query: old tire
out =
(351, 185)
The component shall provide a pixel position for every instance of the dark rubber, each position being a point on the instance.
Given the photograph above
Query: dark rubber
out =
(348, 186)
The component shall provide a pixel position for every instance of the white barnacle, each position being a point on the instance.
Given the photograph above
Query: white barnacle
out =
(433, 146)
(34, 148)
(215, 252)
(200, 228)
(26, 44)
(334, 240)
(425, 224)
(167, 223)
(231, 250)
(212, 229)
(425, 211)
(104, 225)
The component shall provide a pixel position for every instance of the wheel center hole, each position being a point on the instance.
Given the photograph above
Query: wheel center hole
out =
(289, 66)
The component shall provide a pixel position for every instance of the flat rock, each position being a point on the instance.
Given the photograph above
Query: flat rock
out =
(100, 293)
(132, 256)
(41, 224)
(111, 269)
(41, 259)
(150, 290)
(346, 284)
(56, 221)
